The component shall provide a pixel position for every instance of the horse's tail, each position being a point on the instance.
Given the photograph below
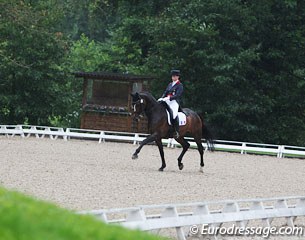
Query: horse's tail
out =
(208, 136)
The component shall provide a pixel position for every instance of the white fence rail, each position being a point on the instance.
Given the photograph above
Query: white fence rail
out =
(182, 216)
(102, 136)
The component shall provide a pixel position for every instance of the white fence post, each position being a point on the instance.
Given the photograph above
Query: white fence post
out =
(171, 212)
(19, 127)
(170, 143)
(283, 204)
(231, 211)
(102, 138)
(301, 203)
(280, 151)
(243, 148)
(64, 134)
(136, 215)
(53, 133)
(68, 133)
(257, 206)
(103, 217)
(201, 209)
(135, 142)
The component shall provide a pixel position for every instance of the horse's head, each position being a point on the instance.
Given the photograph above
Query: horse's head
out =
(138, 105)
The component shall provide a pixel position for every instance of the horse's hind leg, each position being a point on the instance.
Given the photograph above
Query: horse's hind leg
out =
(185, 145)
(200, 150)
(160, 146)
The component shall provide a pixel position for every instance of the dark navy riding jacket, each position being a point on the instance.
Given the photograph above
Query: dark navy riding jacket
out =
(174, 92)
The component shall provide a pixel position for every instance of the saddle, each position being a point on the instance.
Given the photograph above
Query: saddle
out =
(181, 115)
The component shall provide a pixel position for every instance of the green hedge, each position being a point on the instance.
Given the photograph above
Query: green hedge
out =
(22, 217)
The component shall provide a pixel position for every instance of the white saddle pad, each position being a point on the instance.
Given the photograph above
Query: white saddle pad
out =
(182, 118)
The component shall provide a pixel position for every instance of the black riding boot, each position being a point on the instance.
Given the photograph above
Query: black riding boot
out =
(176, 127)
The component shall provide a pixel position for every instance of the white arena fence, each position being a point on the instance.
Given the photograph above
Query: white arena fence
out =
(135, 138)
(181, 217)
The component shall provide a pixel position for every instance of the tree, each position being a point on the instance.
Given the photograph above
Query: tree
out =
(92, 18)
(241, 62)
(31, 49)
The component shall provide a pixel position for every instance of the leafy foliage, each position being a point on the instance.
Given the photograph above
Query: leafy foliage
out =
(25, 218)
(31, 50)
(242, 62)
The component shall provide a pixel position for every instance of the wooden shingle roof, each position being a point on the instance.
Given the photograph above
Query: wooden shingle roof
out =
(112, 76)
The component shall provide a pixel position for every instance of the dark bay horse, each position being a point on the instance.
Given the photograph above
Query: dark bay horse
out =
(159, 128)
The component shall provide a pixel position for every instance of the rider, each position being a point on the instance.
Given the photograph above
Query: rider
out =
(172, 97)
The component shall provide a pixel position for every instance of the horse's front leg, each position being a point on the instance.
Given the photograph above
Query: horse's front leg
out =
(149, 139)
(160, 146)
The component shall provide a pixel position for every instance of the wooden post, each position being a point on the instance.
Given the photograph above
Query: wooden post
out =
(85, 91)
(84, 102)
(129, 100)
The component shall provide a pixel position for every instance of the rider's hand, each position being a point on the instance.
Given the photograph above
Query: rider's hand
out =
(160, 99)
(166, 98)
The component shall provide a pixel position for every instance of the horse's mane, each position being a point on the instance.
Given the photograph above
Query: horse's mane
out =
(148, 95)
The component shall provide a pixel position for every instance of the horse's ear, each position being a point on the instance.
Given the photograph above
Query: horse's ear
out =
(137, 95)
(132, 95)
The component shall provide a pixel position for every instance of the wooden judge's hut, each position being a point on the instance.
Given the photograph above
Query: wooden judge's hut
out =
(107, 102)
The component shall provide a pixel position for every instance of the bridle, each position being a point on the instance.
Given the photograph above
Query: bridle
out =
(138, 115)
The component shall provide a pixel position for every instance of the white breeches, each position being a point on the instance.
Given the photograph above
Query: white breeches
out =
(174, 106)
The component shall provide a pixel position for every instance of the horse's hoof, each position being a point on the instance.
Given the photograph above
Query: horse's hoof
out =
(134, 156)
(181, 166)
(162, 168)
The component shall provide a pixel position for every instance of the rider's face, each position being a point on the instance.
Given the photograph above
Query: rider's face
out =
(175, 78)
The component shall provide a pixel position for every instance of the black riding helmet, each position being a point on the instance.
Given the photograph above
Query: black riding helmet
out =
(175, 72)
